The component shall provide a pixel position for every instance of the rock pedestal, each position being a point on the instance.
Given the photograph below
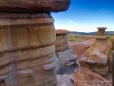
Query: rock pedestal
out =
(27, 51)
(100, 44)
(96, 58)
(63, 51)
(101, 31)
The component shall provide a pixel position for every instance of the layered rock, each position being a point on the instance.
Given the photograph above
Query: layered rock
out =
(27, 35)
(27, 51)
(34, 5)
(63, 52)
(96, 60)
(109, 54)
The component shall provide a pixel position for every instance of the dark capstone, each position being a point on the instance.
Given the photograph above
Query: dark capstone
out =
(34, 5)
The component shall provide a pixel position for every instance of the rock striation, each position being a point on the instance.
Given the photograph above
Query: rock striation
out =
(27, 36)
(27, 51)
(65, 65)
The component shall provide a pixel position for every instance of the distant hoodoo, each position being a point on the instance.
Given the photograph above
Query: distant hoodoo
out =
(101, 31)
(96, 57)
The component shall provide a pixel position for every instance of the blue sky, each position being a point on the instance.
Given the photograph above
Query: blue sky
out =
(86, 16)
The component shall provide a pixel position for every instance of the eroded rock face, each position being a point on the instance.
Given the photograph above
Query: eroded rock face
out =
(109, 54)
(100, 45)
(99, 68)
(95, 57)
(63, 53)
(81, 47)
(34, 5)
(84, 77)
(27, 51)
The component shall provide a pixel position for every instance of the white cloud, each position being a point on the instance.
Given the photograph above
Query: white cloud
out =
(70, 21)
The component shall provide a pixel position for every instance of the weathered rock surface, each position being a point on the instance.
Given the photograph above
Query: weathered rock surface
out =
(99, 68)
(109, 55)
(84, 77)
(63, 53)
(27, 51)
(81, 47)
(100, 45)
(95, 58)
(34, 5)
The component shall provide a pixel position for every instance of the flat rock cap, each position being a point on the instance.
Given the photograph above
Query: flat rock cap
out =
(61, 32)
(34, 5)
(101, 27)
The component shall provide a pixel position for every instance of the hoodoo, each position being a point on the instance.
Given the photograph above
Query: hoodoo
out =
(63, 52)
(27, 36)
(27, 49)
(96, 58)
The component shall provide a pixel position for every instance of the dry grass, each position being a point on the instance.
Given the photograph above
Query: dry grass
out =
(80, 38)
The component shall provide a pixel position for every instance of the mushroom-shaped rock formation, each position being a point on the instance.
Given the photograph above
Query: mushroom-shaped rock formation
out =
(27, 36)
(96, 60)
(63, 52)
(84, 77)
(34, 5)
(100, 44)
(27, 51)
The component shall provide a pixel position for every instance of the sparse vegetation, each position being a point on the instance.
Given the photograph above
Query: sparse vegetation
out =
(80, 38)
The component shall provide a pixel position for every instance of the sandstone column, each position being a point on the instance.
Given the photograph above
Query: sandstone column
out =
(27, 49)
(27, 35)
(63, 52)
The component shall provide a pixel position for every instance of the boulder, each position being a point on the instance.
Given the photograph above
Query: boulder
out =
(98, 57)
(34, 5)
